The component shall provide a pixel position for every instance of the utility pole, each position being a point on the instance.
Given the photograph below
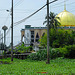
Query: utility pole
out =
(48, 58)
(12, 31)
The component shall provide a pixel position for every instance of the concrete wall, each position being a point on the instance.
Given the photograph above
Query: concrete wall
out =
(22, 35)
(39, 31)
(27, 37)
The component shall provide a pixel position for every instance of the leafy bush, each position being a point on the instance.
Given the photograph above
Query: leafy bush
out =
(59, 38)
(71, 53)
(67, 51)
(42, 54)
(54, 53)
(62, 51)
(21, 49)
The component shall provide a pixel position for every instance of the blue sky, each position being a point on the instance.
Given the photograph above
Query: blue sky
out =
(23, 8)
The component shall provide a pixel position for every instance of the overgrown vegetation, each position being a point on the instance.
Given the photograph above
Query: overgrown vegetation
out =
(65, 52)
(58, 66)
(21, 49)
(5, 61)
(59, 38)
(53, 22)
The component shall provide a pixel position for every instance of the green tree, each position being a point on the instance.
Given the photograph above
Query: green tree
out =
(53, 22)
(59, 38)
(43, 41)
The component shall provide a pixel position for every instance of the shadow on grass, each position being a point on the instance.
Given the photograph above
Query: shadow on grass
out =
(4, 62)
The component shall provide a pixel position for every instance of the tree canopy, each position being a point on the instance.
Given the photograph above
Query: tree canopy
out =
(53, 22)
(59, 38)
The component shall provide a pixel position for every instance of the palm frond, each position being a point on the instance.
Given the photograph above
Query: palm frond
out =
(53, 20)
(44, 22)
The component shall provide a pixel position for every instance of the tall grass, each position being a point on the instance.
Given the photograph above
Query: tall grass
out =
(57, 66)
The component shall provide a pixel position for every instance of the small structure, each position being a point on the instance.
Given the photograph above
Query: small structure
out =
(32, 35)
(4, 28)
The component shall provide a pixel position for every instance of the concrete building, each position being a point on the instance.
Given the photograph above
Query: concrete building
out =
(31, 35)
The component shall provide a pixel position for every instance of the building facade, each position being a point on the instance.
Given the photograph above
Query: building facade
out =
(31, 35)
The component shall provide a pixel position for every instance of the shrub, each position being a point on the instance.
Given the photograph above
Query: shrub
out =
(23, 49)
(42, 54)
(71, 49)
(54, 53)
(62, 51)
(67, 51)
(59, 38)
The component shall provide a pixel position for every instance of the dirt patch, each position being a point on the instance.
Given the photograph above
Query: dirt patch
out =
(43, 72)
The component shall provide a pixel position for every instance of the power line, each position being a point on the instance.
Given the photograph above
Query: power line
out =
(10, 27)
(6, 19)
(62, 5)
(59, 3)
(54, 6)
(18, 3)
(8, 30)
(32, 14)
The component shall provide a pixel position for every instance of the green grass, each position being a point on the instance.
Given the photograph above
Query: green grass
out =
(58, 66)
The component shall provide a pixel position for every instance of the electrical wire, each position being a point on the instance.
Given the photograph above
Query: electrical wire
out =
(18, 3)
(6, 19)
(63, 5)
(8, 30)
(32, 14)
(59, 3)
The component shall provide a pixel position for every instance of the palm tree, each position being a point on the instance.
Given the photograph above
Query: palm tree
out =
(53, 21)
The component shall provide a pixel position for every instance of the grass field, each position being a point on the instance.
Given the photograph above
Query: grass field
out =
(57, 66)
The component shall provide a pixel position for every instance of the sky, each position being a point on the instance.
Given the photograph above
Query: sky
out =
(22, 9)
